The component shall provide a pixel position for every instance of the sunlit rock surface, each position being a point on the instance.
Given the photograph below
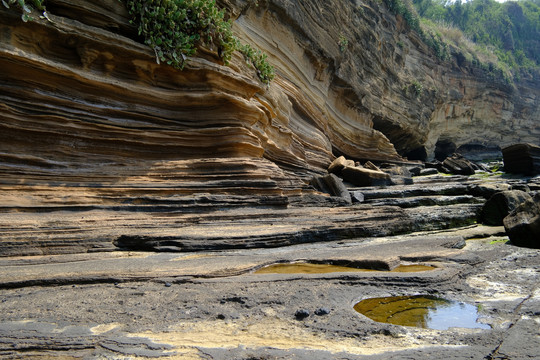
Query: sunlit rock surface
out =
(112, 167)
(373, 76)
(90, 121)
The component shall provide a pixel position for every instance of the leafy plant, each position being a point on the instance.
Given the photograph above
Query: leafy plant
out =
(405, 9)
(259, 60)
(417, 88)
(507, 31)
(25, 7)
(175, 28)
(343, 42)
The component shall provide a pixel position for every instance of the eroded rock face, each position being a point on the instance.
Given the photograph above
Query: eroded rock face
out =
(91, 122)
(95, 95)
(373, 75)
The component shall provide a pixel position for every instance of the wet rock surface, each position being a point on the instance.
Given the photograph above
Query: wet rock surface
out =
(123, 306)
(207, 304)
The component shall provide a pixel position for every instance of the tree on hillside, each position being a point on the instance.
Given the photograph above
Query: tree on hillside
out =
(510, 29)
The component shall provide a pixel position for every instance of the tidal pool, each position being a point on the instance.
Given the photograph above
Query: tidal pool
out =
(426, 312)
(310, 268)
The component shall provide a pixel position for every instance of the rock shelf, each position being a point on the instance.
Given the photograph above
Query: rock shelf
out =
(154, 301)
(136, 200)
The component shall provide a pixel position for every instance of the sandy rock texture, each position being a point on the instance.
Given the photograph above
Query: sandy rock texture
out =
(136, 200)
(211, 305)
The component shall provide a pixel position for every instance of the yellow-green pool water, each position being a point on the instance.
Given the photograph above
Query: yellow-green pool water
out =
(421, 311)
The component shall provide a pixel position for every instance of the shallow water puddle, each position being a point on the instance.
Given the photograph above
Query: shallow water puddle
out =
(309, 268)
(426, 312)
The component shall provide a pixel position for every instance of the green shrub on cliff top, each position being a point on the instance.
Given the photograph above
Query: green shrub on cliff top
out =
(504, 36)
(405, 9)
(175, 28)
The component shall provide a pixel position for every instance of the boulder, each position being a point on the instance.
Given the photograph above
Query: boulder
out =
(357, 197)
(365, 177)
(522, 159)
(371, 166)
(415, 170)
(487, 190)
(500, 205)
(332, 185)
(523, 224)
(428, 171)
(337, 165)
(399, 175)
(458, 165)
(393, 169)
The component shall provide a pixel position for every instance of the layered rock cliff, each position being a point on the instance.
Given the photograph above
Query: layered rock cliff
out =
(90, 121)
(327, 99)
(375, 74)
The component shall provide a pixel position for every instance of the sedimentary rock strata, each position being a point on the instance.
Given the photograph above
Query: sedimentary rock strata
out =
(111, 166)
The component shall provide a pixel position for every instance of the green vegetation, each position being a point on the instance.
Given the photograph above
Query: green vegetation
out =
(343, 42)
(501, 38)
(259, 60)
(417, 88)
(26, 7)
(175, 28)
(405, 9)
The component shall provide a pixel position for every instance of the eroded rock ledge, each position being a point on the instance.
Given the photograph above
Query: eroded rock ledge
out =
(92, 125)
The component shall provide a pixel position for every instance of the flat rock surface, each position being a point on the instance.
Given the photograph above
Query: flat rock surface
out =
(211, 305)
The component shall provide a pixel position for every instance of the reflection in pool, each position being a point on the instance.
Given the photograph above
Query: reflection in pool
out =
(309, 268)
(421, 311)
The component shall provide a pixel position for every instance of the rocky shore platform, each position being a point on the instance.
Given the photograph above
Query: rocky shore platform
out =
(178, 280)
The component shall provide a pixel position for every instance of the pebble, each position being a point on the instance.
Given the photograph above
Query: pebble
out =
(301, 314)
(322, 311)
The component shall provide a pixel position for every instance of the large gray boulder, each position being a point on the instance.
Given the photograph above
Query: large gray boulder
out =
(500, 205)
(523, 224)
